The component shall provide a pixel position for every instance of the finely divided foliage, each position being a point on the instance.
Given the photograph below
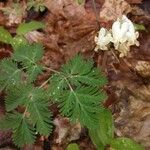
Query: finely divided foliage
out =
(29, 55)
(30, 102)
(76, 90)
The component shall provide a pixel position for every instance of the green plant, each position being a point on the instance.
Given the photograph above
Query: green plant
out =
(22, 29)
(37, 5)
(73, 146)
(139, 27)
(104, 135)
(26, 105)
(75, 89)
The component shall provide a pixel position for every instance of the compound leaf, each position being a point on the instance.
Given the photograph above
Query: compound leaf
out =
(77, 90)
(30, 55)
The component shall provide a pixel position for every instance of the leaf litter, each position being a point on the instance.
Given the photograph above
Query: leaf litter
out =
(70, 29)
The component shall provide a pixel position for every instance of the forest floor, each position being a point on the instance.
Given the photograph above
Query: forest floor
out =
(70, 29)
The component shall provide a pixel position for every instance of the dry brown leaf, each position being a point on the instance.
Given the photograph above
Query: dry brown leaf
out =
(66, 131)
(70, 29)
(134, 1)
(143, 68)
(112, 9)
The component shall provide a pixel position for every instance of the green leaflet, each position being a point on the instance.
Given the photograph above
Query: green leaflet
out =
(106, 128)
(29, 55)
(9, 121)
(17, 95)
(27, 27)
(35, 100)
(18, 41)
(39, 111)
(23, 132)
(9, 73)
(82, 104)
(104, 134)
(96, 140)
(5, 36)
(73, 146)
(125, 144)
(57, 85)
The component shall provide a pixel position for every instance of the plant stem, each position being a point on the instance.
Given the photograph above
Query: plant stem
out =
(55, 71)
(95, 11)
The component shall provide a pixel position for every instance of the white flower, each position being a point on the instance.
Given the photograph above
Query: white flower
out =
(122, 35)
(103, 39)
(123, 31)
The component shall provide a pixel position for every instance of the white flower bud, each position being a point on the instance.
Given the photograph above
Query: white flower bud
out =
(103, 39)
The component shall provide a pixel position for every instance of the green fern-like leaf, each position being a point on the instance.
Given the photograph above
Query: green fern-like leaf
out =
(9, 73)
(27, 27)
(57, 86)
(29, 55)
(17, 95)
(9, 121)
(5, 36)
(39, 112)
(36, 103)
(80, 71)
(82, 104)
(23, 131)
(76, 89)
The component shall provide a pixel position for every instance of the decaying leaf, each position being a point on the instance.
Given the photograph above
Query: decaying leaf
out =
(65, 130)
(134, 1)
(70, 28)
(113, 9)
(143, 68)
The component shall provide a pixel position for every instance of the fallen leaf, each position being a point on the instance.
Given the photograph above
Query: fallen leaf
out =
(70, 29)
(113, 9)
(134, 1)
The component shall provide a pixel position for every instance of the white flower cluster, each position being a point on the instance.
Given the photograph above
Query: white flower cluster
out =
(122, 35)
